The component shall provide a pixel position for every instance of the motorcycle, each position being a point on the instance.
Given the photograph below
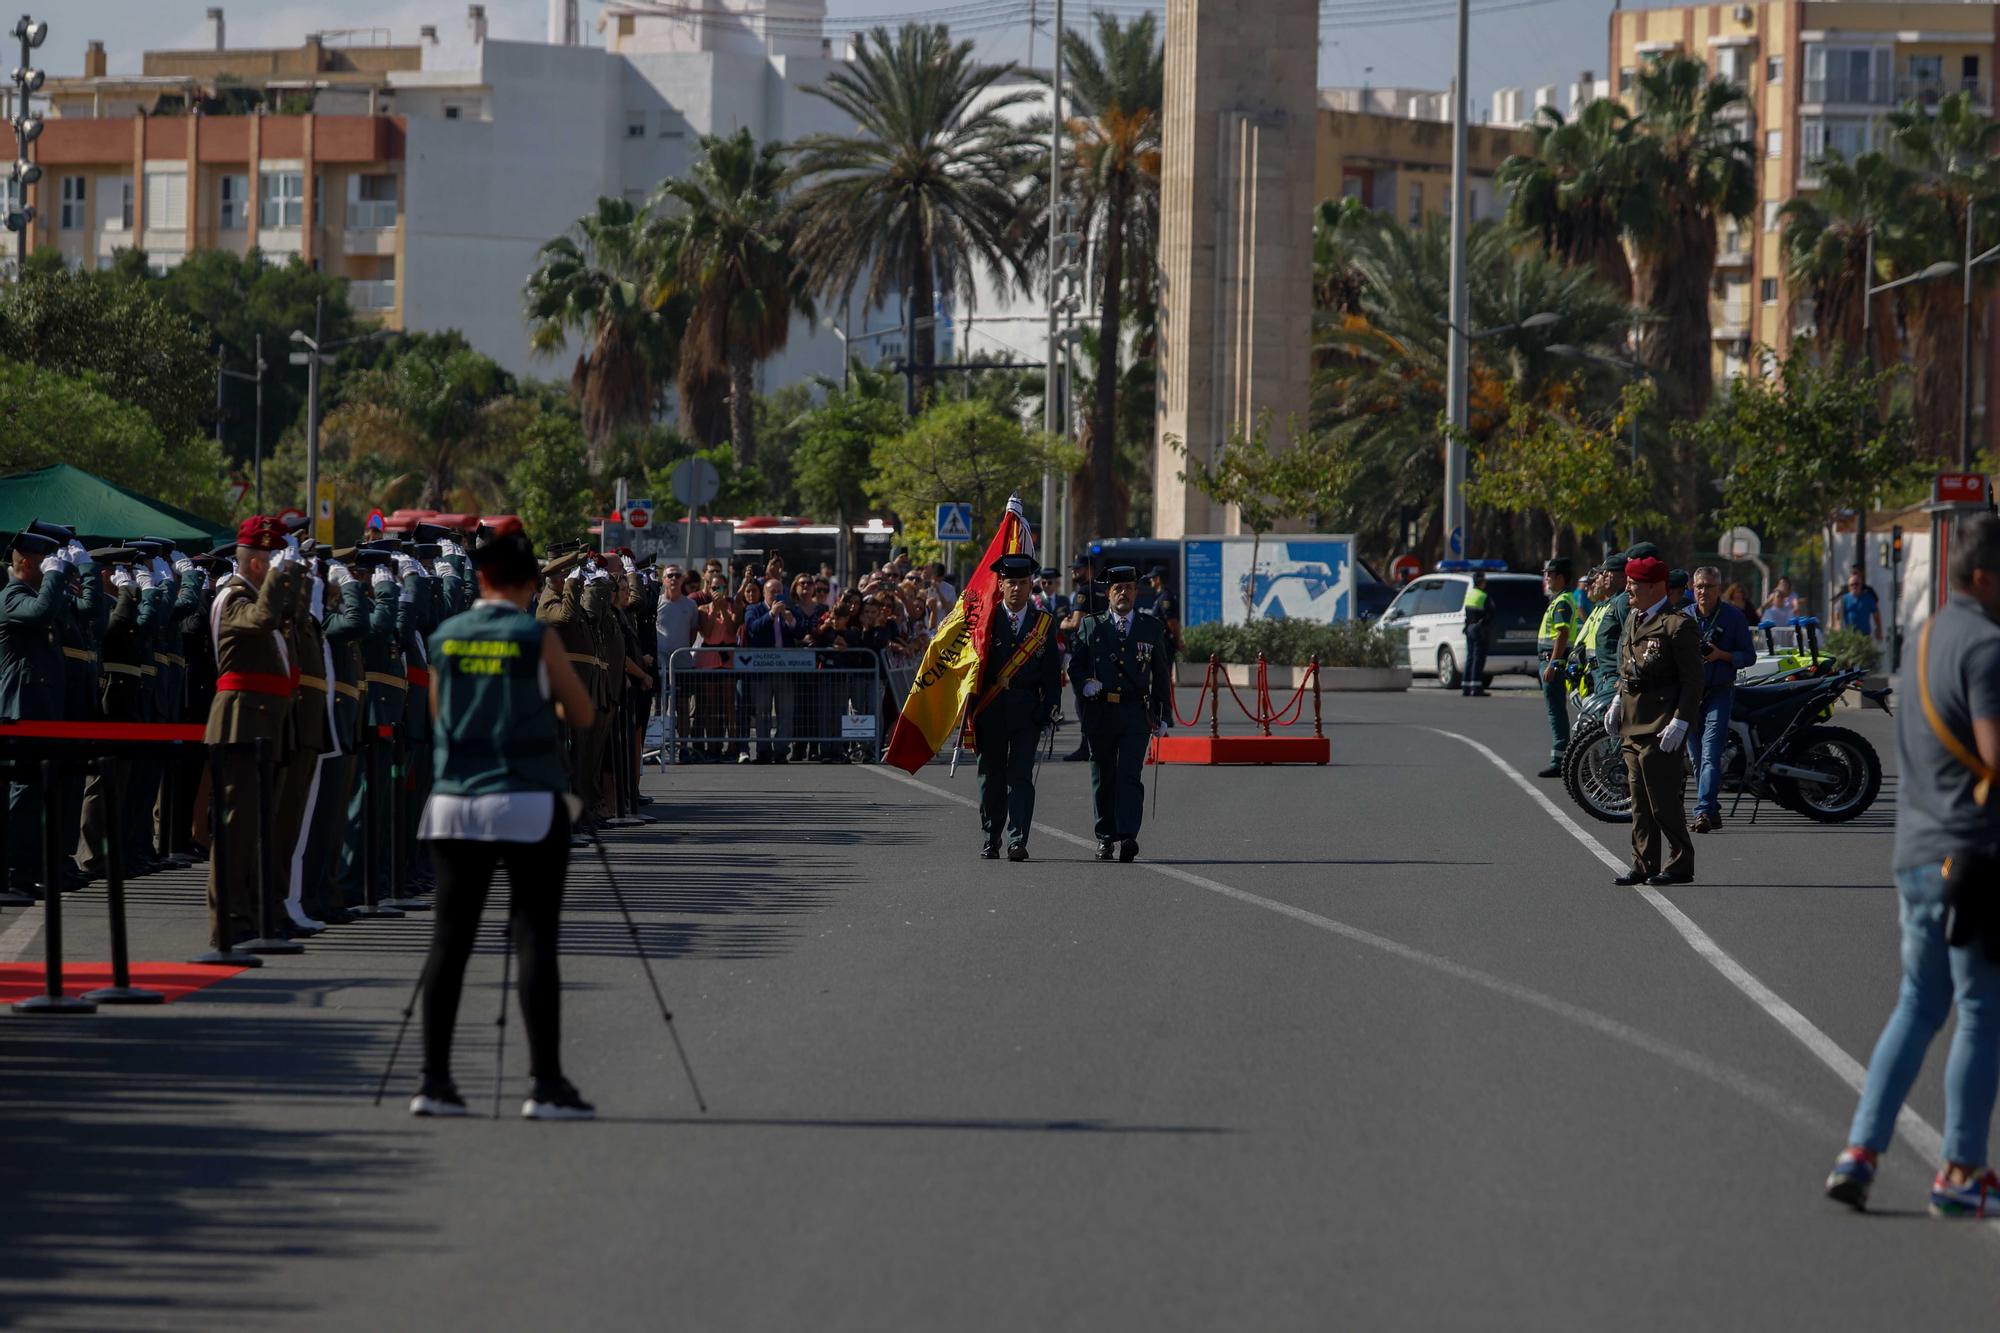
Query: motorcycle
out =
(1779, 749)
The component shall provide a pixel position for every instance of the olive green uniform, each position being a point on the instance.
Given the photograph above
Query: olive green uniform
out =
(1659, 679)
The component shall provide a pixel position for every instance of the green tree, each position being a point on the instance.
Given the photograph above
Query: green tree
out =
(966, 452)
(1799, 444)
(441, 416)
(1114, 92)
(592, 283)
(835, 457)
(726, 249)
(1265, 486)
(1825, 238)
(1572, 467)
(1574, 192)
(550, 483)
(923, 191)
(140, 351)
(47, 417)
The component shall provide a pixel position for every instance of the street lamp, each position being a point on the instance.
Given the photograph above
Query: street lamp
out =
(847, 340)
(257, 449)
(317, 355)
(1546, 319)
(31, 33)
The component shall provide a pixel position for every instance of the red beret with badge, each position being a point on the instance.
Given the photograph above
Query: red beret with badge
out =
(261, 532)
(1646, 569)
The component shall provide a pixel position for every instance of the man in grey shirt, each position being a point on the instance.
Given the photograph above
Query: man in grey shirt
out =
(1945, 816)
(674, 628)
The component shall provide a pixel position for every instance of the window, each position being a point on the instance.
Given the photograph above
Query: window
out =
(119, 188)
(1926, 72)
(1625, 77)
(668, 129)
(371, 200)
(1416, 204)
(635, 124)
(1771, 207)
(1968, 68)
(1849, 74)
(1822, 137)
(166, 200)
(1774, 69)
(283, 204)
(1732, 63)
(1732, 240)
(1767, 290)
(1472, 203)
(72, 203)
(1446, 599)
(232, 210)
(1774, 143)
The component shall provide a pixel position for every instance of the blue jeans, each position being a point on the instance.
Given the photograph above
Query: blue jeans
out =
(1714, 733)
(1935, 976)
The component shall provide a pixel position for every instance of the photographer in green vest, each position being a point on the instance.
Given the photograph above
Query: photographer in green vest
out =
(501, 683)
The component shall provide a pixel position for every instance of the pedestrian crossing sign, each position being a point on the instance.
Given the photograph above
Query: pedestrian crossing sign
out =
(954, 523)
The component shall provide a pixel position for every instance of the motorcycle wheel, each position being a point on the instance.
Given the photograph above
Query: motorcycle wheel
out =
(1833, 750)
(1594, 775)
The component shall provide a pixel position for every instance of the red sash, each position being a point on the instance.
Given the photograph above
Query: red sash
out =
(255, 682)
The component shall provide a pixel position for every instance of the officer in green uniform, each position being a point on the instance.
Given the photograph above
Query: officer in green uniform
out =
(347, 609)
(426, 614)
(385, 688)
(122, 698)
(1478, 634)
(558, 608)
(1604, 667)
(78, 632)
(1659, 701)
(498, 799)
(1020, 691)
(1122, 659)
(31, 679)
(1551, 648)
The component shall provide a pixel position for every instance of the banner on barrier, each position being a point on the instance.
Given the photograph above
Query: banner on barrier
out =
(775, 659)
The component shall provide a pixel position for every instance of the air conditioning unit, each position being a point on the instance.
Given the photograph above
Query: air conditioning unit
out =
(1742, 13)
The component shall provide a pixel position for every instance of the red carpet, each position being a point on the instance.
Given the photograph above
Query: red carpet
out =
(20, 980)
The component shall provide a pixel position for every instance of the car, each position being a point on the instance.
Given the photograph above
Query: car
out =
(1431, 611)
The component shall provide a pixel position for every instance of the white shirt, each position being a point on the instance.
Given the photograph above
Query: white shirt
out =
(1124, 625)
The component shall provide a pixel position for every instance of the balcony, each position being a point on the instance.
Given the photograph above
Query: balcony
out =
(372, 294)
(1732, 253)
(364, 215)
(1850, 91)
(1929, 92)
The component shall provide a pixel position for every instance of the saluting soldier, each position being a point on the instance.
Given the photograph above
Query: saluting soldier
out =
(253, 702)
(1659, 698)
(121, 698)
(312, 728)
(347, 610)
(1020, 691)
(78, 631)
(1122, 659)
(559, 609)
(31, 679)
(385, 687)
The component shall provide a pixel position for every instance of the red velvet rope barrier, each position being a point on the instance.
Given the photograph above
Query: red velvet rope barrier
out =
(1207, 680)
(103, 731)
(1277, 717)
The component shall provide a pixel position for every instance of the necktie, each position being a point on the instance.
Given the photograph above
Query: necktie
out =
(1124, 626)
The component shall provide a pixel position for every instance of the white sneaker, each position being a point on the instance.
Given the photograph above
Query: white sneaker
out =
(561, 1102)
(438, 1104)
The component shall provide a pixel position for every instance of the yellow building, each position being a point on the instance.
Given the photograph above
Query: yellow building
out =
(1821, 77)
(1401, 165)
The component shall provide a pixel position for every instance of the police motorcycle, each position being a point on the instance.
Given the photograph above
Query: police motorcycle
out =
(1779, 748)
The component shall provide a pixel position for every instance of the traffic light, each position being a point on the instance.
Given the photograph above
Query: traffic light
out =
(1896, 545)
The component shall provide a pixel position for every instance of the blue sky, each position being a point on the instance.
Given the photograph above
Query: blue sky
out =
(1546, 41)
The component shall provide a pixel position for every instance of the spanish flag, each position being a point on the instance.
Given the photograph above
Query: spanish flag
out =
(949, 676)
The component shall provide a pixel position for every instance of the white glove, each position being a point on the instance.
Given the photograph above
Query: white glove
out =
(318, 598)
(1672, 735)
(575, 574)
(630, 568)
(288, 556)
(444, 570)
(1092, 688)
(382, 578)
(337, 575)
(52, 564)
(177, 555)
(184, 565)
(1614, 713)
(75, 554)
(144, 574)
(1159, 728)
(292, 543)
(121, 576)
(405, 566)
(449, 547)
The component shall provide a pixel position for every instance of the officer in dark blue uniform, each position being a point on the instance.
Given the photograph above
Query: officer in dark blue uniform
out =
(1020, 689)
(1124, 666)
(32, 607)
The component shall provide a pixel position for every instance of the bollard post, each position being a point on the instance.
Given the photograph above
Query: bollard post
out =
(1214, 697)
(1313, 666)
(121, 990)
(1262, 698)
(52, 1000)
(266, 942)
(371, 827)
(169, 814)
(225, 951)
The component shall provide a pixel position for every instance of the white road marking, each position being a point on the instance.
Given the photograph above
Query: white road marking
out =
(19, 937)
(1915, 1130)
(1761, 1093)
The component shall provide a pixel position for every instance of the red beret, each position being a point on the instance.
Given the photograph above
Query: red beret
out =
(1646, 569)
(261, 532)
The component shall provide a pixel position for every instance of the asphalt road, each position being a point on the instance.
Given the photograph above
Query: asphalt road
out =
(1375, 1045)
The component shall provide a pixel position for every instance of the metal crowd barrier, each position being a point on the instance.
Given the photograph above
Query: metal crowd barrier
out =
(831, 700)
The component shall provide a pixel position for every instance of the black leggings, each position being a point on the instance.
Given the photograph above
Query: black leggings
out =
(535, 891)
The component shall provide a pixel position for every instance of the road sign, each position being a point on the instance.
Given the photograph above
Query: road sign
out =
(1741, 544)
(375, 521)
(288, 516)
(323, 515)
(954, 523)
(696, 482)
(1959, 488)
(1457, 542)
(638, 513)
(238, 488)
(1405, 567)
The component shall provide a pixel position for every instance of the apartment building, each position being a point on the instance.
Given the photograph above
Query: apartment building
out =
(1821, 76)
(428, 173)
(1401, 164)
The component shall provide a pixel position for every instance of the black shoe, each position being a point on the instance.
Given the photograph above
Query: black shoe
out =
(1078, 755)
(1552, 771)
(438, 1101)
(1662, 881)
(1017, 853)
(989, 851)
(1104, 849)
(339, 917)
(557, 1101)
(1128, 850)
(1631, 877)
(1705, 824)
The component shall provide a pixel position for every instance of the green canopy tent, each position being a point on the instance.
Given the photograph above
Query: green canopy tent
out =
(100, 511)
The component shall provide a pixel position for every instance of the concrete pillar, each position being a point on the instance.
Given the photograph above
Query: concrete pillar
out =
(138, 182)
(1235, 236)
(192, 239)
(308, 233)
(254, 182)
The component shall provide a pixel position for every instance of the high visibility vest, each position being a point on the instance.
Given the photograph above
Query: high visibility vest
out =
(1592, 623)
(1475, 599)
(495, 729)
(1560, 615)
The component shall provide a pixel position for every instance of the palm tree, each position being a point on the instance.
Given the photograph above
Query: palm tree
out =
(1950, 152)
(726, 251)
(591, 281)
(923, 191)
(1825, 242)
(1573, 191)
(439, 416)
(1111, 174)
(1690, 168)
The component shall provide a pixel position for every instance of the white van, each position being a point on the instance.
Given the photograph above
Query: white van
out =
(1432, 610)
